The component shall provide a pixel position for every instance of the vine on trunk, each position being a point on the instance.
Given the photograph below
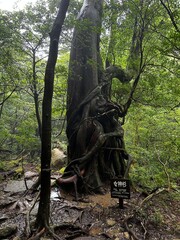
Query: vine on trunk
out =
(96, 149)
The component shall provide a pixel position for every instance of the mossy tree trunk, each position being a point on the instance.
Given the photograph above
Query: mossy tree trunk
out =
(95, 135)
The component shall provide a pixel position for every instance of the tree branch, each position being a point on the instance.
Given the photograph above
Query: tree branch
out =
(168, 10)
(117, 72)
(6, 98)
(129, 101)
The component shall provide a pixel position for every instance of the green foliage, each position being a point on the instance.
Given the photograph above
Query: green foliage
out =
(152, 123)
(24, 41)
(59, 98)
(19, 125)
(152, 137)
(156, 218)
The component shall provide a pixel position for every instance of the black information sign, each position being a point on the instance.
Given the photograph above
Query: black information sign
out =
(120, 188)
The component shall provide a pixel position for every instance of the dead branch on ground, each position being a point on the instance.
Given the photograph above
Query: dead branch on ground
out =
(136, 210)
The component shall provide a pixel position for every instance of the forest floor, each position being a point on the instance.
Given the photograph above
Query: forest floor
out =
(156, 216)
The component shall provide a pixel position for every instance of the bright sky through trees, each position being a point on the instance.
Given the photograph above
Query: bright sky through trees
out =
(13, 4)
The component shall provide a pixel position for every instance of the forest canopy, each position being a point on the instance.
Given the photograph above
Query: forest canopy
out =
(141, 37)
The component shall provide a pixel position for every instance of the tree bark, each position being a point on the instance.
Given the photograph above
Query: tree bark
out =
(85, 62)
(36, 95)
(44, 205)
(95, 136)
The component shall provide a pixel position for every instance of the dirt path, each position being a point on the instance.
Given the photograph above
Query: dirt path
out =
(93, 217)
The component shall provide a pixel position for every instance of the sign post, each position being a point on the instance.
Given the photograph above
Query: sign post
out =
(120, 188)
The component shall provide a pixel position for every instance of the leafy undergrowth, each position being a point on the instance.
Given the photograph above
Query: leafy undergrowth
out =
(92, 217)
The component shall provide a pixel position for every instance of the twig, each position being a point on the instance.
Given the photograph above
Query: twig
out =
(165, 170)
(145, 230)
(150, 196)
(20, 154)
(130, 231)
(22, 165)
(28, 229)
(170, 13)
(128, 166)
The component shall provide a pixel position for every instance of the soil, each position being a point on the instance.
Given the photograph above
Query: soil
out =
(97, 216)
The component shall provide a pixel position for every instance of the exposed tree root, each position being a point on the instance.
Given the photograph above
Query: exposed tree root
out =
(38, 235)
(44, 230)
(51, 232)
(75, 231)
(83, 161)
(99, 143)
(95, 137)
(72, 179)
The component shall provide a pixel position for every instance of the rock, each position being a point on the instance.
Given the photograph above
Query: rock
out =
(30, 174)
(110, 222)
(17, 186)
(3, 217)
(177, 229)
(17, 238)
(58, 158)
(126, 235)
(113, 232)
(7, 231)
(35, 209)
(55, 196)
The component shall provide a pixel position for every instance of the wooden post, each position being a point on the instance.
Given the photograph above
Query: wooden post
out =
(121, 206)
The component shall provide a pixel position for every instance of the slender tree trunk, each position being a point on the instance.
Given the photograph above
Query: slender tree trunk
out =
(44, 205)
(36, 95)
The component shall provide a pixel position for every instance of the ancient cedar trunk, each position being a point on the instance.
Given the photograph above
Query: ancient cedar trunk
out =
(95, 135)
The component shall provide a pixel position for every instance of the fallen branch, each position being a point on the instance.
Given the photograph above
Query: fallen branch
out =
(136, 210)
(150, 197)
(145, 230)
(130, 231)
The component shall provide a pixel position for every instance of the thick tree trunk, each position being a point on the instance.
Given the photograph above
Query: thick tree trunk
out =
(95, 136)
(84, 60)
